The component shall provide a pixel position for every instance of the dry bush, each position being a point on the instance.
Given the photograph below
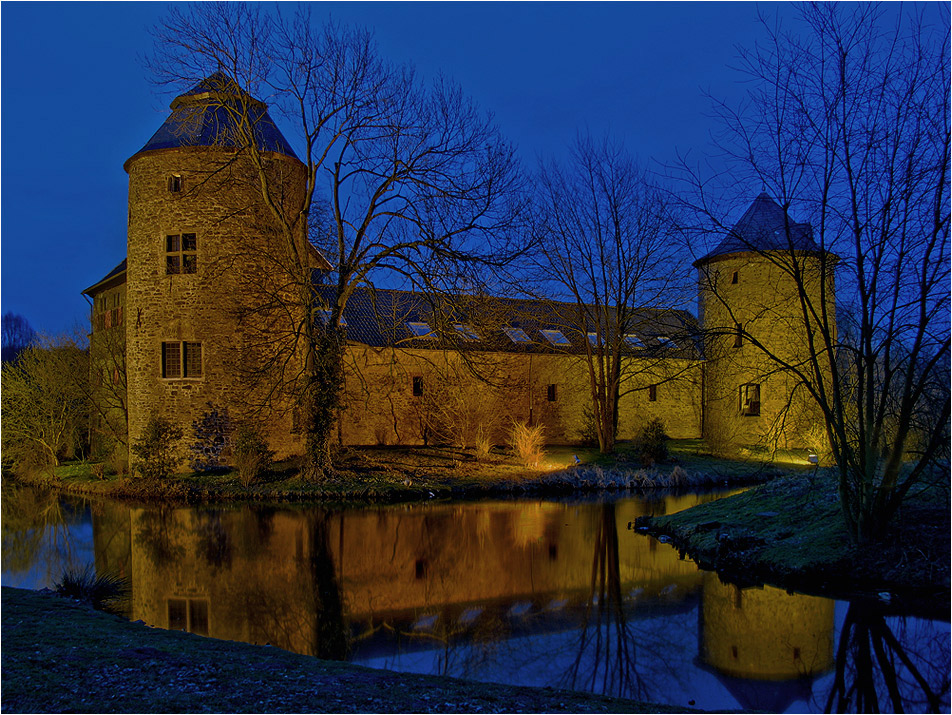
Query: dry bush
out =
(482, 443)
(251, 454)
(528, 442)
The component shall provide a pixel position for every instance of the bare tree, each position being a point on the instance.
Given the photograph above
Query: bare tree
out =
(17, 335)
(402, 179)
(608, 247)
(847, 126)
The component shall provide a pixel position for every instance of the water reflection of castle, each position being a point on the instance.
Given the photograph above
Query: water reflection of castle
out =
(309, 581)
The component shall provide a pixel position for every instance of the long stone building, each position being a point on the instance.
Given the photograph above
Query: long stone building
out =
(171, 338)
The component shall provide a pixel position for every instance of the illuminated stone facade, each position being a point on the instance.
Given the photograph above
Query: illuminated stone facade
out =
(193, 237)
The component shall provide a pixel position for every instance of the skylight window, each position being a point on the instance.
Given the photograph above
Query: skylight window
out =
(466, 332)
(555, 337)
(517, 335)
(593, 339)
(325, 315)
(634, 341)
(421, 330)
(666, 342)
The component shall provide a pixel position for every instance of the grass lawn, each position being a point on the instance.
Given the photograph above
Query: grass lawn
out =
(791, 533)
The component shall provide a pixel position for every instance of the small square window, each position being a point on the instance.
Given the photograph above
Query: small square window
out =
(171, 360)
(652, 393)
(178, 614)
(421, 330)
(750, 400)
(181, 256)
(181, 360)
(552, 393)
(466, 332)
(517, 335)
(417, 386)
(198, 616)
(193, 359)
(555, 337)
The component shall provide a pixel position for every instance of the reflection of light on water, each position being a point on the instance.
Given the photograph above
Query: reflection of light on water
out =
(496, 591)
(425, 623)
(469, 615)
(520, 608)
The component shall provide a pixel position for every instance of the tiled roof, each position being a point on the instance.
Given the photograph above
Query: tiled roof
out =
(765, 226)
(381, 318)
(114, 273)
(199, 118)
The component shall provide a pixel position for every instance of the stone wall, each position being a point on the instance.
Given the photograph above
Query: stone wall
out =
(758, 293)
(222, 208)
(107, 356)
(453, 405)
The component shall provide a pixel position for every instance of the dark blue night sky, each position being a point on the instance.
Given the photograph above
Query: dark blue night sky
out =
(78, 102)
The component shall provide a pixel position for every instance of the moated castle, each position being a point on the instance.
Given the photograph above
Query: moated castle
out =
(168, 341)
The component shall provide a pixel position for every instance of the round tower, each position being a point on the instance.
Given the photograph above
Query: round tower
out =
(193, 205)
(752, 291)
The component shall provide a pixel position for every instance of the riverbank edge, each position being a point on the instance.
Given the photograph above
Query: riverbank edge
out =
(62, 656)
(790, 534)
(386, 483)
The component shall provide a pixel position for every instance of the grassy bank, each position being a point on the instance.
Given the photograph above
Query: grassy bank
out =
(59, 656)
(790, 533)
(406, 474)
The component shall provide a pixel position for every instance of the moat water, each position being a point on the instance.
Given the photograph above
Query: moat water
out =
(535, 592)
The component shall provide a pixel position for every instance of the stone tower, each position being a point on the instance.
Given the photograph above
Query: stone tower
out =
(192, 212)
(750, 305)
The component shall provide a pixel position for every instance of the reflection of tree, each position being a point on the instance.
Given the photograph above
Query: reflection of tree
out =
(35, 527)
(876, 670)
(215, 545)
(606, 661)
(156, 531)
(330, 635)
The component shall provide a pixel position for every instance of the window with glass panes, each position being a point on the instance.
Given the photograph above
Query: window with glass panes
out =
(181, 253)
(181, 359)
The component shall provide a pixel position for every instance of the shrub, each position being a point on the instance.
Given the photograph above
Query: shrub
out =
(252, 456)
(104, 592)
(118, 461)
(588, 433)
(652, 443)
(528, 441)
(483, 443)
(155, 450)
(212, 433)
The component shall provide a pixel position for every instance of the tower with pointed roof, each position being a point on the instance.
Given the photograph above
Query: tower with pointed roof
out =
(193, 206)
(750, 290)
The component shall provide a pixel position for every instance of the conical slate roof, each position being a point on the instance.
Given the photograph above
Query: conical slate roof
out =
(765, 226)
(199, 118)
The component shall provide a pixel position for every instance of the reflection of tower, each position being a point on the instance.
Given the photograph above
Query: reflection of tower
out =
(764, 640)
(750, 289)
